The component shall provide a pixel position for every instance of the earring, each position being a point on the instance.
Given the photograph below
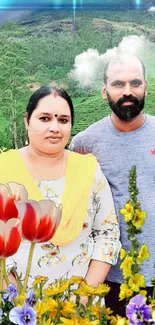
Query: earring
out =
(27, 139)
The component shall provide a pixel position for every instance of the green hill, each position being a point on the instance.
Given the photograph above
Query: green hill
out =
(41, 49)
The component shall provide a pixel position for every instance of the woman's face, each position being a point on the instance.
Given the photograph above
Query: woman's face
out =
(50, 125)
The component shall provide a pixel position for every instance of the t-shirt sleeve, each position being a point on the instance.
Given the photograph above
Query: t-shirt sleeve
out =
(76, 145)
(105, 229)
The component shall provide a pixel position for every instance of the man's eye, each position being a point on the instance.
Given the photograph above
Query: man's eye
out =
(44, 118)
(118, 84)
(136, 83)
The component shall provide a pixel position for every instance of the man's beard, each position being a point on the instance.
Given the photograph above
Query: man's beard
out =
(126, 112)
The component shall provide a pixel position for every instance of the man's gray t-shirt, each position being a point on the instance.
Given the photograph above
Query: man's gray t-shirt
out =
(116, 153)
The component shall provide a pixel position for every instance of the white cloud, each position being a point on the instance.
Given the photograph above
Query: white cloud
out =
(151, 9)
(89, 66)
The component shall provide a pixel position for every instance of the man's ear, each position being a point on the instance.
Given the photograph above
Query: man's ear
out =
(146, 87)
(104, 92)
(26, 120)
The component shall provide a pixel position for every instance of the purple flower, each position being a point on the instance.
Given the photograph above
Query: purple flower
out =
(1, 313)
(30, 299)
(23, 315)
(10, 293)
(137, 311)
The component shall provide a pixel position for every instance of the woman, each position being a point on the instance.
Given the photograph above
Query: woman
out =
(86, 242)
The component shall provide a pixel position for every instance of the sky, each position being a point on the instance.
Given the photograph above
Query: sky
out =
(16, 9)
(29, 4)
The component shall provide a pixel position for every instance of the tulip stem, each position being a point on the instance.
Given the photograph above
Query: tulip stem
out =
(1, 277)
(28, 267)
(5, 273)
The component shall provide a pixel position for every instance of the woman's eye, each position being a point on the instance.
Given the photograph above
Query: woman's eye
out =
(44, 118)
(63, 120)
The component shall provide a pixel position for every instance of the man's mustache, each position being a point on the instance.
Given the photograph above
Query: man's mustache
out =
(125, 99)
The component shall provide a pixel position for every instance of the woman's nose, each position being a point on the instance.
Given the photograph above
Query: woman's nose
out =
(54, 126)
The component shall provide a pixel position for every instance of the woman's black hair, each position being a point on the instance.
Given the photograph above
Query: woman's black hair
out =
(45, 91)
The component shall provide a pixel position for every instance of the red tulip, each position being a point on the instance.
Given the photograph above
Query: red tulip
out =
(8, 209)
(39, 220)
(10, 237)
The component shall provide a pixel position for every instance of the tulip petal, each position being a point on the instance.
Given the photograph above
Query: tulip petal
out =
(50, 217)
(29, 214)
(3, 199)
(18, 191)
(45, 230)
(10, 209)
(2, 237)
(50, 209)
(13, 241)
(10, 237)
(39, 219)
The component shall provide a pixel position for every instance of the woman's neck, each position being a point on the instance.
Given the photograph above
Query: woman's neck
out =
(45, 158)
(42, 166)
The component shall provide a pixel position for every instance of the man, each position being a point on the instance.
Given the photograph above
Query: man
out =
(119, 141)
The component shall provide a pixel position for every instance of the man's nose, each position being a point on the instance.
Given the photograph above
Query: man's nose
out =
(127, 89)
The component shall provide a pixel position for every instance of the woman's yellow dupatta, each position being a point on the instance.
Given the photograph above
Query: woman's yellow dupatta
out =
(79, 179)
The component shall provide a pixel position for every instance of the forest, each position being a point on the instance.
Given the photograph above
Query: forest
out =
(41, 48)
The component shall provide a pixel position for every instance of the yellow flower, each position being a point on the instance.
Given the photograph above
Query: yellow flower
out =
(101, 290)
(48, 322)
(51, 304)
(126, 266)
(125, 291)
(136, 281)
(127, 211)
(20, 300)
(122, 321)
(118, 320)
(153, 305)
(39, 279)
(139, 218)
(85, 291)
(76, 279)
(143, 293)
(67, 307)
(97, 309)
(40, 309)
(143, 254)
(77, 321)
(58, 288)
(122, 253)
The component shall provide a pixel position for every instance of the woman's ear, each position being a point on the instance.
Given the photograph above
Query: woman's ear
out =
(104, 92)
(26, 120)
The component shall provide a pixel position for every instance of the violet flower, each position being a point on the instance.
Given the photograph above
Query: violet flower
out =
(1, 313)
(30, 298)
(137, 311)
(23, 315)
(10, 293)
